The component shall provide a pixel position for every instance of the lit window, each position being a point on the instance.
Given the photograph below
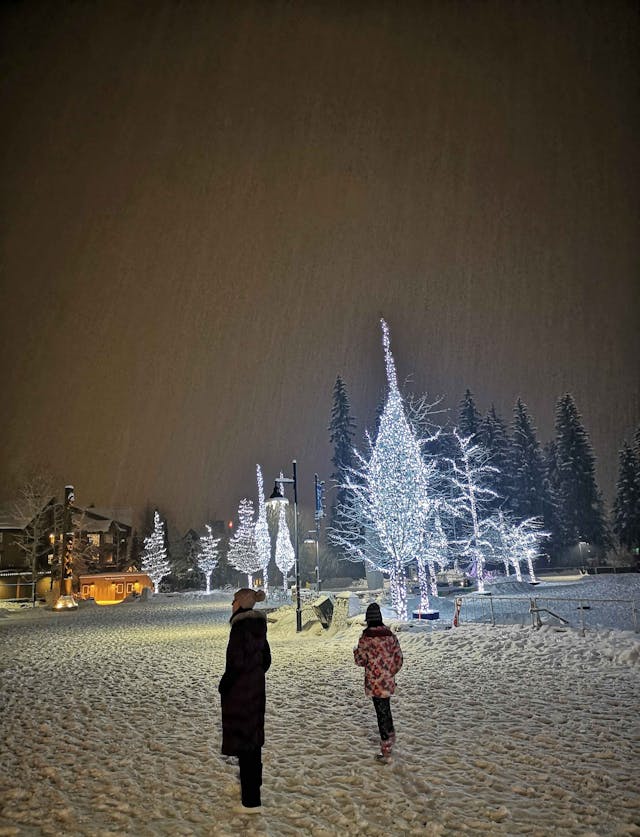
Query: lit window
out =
(94, 540)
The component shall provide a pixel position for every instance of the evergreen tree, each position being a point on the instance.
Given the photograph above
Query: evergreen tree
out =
(154, 554)
(626, 507)
(342, 430)
(528, 494)
(468, 416)
(552, 520)
(243, 550)
(493, 436)
(579, 501)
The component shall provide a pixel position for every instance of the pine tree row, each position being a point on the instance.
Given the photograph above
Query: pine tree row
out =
(556, 483)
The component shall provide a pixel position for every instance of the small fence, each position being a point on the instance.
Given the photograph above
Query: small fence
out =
(583, 613)
(17, 586)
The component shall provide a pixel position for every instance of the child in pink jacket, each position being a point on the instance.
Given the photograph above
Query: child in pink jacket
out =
(379, 652)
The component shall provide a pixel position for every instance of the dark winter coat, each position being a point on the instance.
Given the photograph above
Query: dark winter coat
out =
(379, 652)
(242, 686)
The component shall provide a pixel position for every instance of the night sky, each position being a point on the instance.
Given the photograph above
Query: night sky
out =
(207, 207)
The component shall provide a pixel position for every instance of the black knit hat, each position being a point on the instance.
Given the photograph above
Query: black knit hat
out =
(373, 615)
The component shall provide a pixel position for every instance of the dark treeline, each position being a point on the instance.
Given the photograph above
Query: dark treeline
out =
(555, 482)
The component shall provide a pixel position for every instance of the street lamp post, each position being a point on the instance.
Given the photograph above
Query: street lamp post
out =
(274, 501)
(319, 514)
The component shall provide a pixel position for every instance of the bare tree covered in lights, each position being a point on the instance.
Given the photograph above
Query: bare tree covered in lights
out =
(435, 552)
(517, 543)
(154, 554)
(243, 551)
(285, 553)
(469, 476)
(207, 558)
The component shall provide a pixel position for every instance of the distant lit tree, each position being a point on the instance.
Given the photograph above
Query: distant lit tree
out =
(434, 553)
(263, 539)
(207, 557)
(154, 554)
(517, 542)
(243, 551)
(285, 553)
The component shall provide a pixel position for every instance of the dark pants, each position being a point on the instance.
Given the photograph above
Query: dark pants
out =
(250, 777)
(385, 723)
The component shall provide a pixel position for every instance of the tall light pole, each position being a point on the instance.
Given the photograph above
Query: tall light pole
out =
(277, 497)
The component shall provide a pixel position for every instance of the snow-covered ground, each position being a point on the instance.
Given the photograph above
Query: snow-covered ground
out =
(110, 719)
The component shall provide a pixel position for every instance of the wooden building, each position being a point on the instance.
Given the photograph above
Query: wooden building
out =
(112, 588)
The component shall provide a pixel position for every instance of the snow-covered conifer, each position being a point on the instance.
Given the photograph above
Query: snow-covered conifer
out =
(528, 473)
(341, 430)
(626, 507)
(468, 416)
(154, 554)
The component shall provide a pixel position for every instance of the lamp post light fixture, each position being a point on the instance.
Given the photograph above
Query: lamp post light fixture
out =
(277, 499)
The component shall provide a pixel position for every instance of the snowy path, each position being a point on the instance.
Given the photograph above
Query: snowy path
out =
(111, 726)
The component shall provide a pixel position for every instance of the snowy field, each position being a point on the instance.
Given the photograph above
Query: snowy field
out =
(111, 725)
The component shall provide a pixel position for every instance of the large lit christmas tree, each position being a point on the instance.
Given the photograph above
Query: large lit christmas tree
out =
(389, 494)
(154, 554)
(207, 558)
(243, 551)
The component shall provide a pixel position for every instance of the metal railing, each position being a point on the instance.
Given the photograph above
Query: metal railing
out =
(583, 612)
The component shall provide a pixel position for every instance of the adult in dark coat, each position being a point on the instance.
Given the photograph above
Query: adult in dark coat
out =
(242, 690)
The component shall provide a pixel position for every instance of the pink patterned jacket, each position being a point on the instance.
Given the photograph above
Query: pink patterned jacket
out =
(379, 652)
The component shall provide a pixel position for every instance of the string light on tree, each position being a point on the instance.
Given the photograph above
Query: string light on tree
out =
(518, 543)
(243, 551)
(263, 540)
(389, 500)
(207, 559)
(154, 554)
(285, 553)
(469, 477)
